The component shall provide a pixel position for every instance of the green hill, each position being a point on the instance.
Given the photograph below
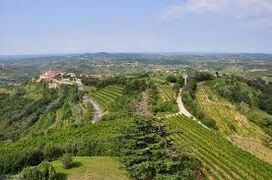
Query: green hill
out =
(35, 108)
(221, 159)
(42, 124)
(231, 121)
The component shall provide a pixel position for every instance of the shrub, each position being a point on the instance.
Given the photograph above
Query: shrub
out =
(30, 158)
(44, 171)
(171, 78)
(52, 152)
(67, 161)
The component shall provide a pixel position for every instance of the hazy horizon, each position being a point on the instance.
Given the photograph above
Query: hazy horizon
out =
(155, 53)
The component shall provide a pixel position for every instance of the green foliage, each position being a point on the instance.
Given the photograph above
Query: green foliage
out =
(203, 76)
(52, 152)
(265, 99)
(135, 85)
(165, 104)
(101, 137)
(34, 107)
(21, 108)
(101, 83)
(165, 107)
(171, 79)
(97, 147)
(191, 85)
(147, 152)
(44, 171)
(191, 104)
(67, 161)
(235, 91)
(13, 163)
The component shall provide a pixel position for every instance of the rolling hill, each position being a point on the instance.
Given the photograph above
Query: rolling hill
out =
(221, 159)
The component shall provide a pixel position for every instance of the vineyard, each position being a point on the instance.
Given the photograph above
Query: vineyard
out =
(221, 159)
(232, 123)
(167, 93)
(102, 130)
(105, 96)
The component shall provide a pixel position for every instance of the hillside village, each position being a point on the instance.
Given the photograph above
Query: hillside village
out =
(56, 78)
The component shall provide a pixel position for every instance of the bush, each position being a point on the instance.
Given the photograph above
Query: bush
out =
(171, 79)
(52, 152)
(67, 161)
(44, 171)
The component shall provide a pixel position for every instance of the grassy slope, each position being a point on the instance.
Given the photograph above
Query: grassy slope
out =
(221, 159)
(232, 124)
(98, 168)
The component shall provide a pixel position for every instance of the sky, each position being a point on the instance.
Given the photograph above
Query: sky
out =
(77, 26)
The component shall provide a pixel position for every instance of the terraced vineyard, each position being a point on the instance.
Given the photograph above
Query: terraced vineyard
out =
(221, 159)
(105, 96)
(228, 120)
(231, 123)
(166, 92)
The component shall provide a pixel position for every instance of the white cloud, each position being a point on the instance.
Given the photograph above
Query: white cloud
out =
(256, 5)
(201, 6)
(194, 6)
(173, 12)
(254, 13)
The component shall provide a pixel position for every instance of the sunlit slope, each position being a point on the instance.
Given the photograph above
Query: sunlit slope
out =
(221, 159)
(232, 124)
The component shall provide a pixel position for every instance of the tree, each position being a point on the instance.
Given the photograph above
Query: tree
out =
(67, 161)
(147, 152)
(171, 78)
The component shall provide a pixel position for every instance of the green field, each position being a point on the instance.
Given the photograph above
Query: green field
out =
(105, 96)
(221, 159)
(88, 168)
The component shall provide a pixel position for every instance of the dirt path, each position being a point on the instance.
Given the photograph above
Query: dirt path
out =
(183, 110)
(97, 112)
(181, 107)
(142, 106)
(96, 109)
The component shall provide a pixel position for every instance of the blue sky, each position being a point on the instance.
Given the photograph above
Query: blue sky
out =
(74, 26)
